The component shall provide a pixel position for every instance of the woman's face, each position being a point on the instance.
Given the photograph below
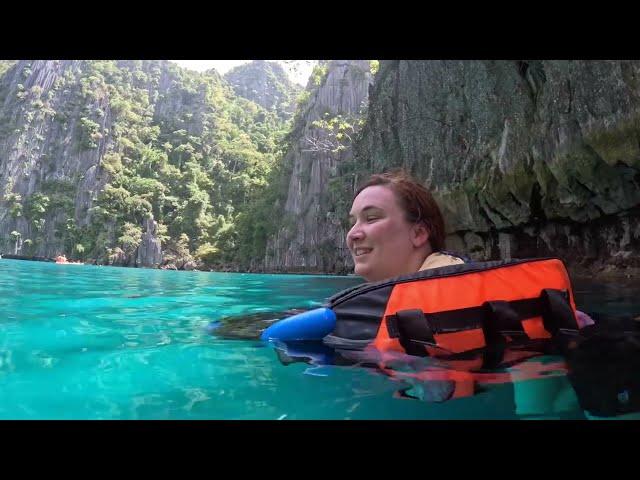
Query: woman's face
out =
(382, 242)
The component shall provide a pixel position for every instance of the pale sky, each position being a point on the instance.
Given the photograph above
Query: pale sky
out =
(298, 72)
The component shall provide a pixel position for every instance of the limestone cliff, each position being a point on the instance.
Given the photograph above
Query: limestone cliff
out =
(526, 157)
(265, 83)
(39, 153)
(311, 233)
(102, 159)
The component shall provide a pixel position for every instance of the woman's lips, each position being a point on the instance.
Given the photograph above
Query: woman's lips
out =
(360, 251)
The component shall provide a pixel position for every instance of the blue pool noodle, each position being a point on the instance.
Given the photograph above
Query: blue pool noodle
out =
(311, 325)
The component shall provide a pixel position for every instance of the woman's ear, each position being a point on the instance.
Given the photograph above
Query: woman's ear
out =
(419, 235)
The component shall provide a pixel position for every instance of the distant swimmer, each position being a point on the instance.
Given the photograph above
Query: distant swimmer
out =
(62, 259)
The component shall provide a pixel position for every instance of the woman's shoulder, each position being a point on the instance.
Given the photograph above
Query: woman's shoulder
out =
(442, 259)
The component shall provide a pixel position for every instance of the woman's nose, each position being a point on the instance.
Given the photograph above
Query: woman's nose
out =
(355, 233)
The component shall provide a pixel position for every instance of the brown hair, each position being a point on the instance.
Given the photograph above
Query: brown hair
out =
(416, 201)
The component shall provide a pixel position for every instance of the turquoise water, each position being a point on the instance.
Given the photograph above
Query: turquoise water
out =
(89, 342)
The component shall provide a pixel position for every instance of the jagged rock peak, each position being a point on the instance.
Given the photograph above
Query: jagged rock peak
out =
(265, 83)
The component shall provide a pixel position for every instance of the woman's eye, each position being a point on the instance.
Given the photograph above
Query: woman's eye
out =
(371, 218)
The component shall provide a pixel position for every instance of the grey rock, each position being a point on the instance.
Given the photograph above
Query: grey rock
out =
(190, 265)
(267, 84)
(312, 237)
(537, 157)
(149, 253)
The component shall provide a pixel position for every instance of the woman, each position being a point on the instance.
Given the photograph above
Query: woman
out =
(397, 228)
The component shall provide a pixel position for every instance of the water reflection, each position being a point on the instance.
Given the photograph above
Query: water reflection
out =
(594, 374)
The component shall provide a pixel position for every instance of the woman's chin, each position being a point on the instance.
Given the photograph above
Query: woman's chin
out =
(362, 270)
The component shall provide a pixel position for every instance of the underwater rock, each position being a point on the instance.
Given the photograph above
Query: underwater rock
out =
(250, 326)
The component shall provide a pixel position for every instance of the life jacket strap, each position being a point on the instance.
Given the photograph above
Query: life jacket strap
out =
(505, 318)
(413, 330)
(557, 314)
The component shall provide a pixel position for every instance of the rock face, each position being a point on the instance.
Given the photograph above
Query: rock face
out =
(149, 252)
(56, 125)
(38, 152)
(267, 84)
(525, 157)
(311, 235)
(91, 149)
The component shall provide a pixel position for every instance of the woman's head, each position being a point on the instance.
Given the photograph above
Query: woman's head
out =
(396, 225)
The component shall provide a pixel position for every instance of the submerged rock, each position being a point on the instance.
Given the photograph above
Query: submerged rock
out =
(250, 326)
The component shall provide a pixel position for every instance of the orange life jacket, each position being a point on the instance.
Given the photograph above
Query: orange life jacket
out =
(457, 309)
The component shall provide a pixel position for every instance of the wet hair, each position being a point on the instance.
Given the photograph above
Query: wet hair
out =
(415, 200)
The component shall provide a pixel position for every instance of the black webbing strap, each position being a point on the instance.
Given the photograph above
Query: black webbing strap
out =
(412, 329)
(505, 318)
(557, 314)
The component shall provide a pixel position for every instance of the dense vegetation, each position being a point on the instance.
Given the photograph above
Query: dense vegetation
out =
(172, 143)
